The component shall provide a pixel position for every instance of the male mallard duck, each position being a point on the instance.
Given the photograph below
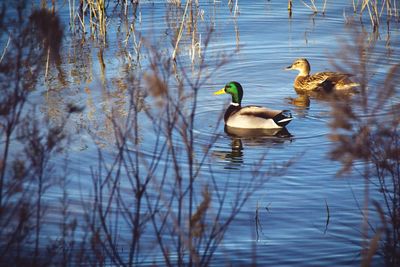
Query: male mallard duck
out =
(251, 117)
(325, 81)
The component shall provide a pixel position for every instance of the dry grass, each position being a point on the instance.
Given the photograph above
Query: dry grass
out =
(185, 211)
(313, 6)
(377, 11)
(168, 205)
(92, 14)
(362, 135)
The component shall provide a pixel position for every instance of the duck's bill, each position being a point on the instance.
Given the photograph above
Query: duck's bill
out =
(220, 92)
(288, 67)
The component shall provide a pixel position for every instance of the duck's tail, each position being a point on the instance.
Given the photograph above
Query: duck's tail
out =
(346, 86)
(345, 83)
(283, 118)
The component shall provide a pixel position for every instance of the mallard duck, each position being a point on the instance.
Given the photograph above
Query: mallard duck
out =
(251, 117)
(321, 81)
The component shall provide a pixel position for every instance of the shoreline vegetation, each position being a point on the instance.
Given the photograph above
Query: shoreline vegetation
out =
(166, 197)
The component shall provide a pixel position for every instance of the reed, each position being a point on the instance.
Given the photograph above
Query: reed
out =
(191, 18)
(180, 32)
(95, 10)
(377, 11)
(236, 8)
(187, 212)
(360, 135)
(170, 198)
(25, 172)
(71, 8)
(313, 7)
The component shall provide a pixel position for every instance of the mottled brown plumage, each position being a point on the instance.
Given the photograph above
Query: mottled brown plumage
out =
(326, 81)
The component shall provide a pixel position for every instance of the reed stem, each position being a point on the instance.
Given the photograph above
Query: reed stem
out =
(180, 30)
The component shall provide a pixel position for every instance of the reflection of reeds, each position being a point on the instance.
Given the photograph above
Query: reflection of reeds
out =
(97, 20)
(172, 197)
(189, 21)
(98, 17)
(187, 228)
(236, 9)
(26, 170)
(313, 7)
(180, 32)
(376, 10)
(71, 8)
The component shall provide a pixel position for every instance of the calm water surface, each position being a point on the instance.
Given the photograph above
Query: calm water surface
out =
(291, 206)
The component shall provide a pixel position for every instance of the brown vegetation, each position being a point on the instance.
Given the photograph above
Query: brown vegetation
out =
(169, 208)
(361, 135)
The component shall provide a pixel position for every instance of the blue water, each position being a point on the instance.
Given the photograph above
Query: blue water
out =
(261, 41)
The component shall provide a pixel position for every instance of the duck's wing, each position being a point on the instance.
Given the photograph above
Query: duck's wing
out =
(311, 82)
(332, 76)
(338, 80)
(323, 81)
(258, 111)
(280, 117)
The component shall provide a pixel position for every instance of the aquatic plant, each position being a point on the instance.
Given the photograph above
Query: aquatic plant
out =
(360, 135)
(95, 12)
(376, 11)
(173, 198)
(313, 7)
(29, 141)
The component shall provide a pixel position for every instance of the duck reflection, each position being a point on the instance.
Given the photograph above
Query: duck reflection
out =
(242, 138)
(262, 134)
(301, 104)
(301, 101)
(234, 158)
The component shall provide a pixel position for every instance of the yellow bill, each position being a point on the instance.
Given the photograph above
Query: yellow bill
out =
(220, 92)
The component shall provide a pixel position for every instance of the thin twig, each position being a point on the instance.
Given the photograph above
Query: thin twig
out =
(5, 48)
(328, 216)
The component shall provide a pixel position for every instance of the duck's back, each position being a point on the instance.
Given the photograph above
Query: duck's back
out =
(326, 81)
(308, 83)
(255, 117)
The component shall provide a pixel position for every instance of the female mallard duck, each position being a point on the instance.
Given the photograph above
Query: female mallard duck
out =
(251, 117)
(325, 81)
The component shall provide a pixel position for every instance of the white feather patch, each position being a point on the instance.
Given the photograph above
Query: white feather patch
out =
(251, 122)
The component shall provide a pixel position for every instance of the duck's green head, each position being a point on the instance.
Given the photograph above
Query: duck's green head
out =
(234, 89)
